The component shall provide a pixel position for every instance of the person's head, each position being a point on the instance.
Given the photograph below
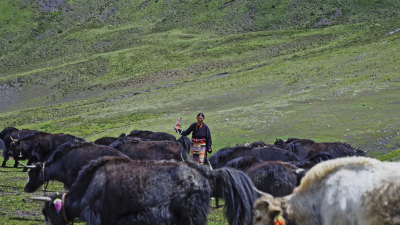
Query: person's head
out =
(200, 117)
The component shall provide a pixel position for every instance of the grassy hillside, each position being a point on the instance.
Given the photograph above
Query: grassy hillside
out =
(258, 70)
(338, 83)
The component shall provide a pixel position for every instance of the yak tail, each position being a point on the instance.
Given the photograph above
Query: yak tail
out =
(185, 142)
(236, 188)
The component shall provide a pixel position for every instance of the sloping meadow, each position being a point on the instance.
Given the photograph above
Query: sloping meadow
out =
(339, 83)
(326, 71)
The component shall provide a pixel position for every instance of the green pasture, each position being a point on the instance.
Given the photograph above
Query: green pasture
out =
(340, 83)
(258, 70)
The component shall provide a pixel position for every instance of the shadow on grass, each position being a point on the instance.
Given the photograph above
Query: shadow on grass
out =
(25, 219)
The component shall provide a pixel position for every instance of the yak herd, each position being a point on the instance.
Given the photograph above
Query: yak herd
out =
(145, 177)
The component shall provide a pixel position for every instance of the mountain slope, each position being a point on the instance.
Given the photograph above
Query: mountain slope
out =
(261, 69)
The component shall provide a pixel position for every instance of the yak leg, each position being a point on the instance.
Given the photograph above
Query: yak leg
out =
(217, 200)
(193, 209)
(4, 163)
(148, 217)
(5, 158)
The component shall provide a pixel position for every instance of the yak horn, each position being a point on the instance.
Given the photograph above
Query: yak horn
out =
(13, 140)
(262, 193)
(26, 166)
(46, 199)
(210, 165)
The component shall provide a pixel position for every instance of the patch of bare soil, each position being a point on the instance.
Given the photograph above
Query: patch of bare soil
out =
(27, 214)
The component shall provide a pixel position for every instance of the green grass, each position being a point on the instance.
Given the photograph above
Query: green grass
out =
(266, 79)
(391, 156)
(14, 16)
(259, 70)
(16, 206)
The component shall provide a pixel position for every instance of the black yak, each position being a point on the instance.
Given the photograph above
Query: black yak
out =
(151, 135)
(105, 140)
(266, 153)
(273, 177)
(65, 163)
(114, 190)
(7, 135)
(147, 136)
(41, 144)
(306, 148)
(136, 148)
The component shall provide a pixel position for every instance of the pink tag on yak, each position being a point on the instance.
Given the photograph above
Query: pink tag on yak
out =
(57, 204)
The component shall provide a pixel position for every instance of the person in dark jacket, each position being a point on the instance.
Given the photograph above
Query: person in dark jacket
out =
(201, 139)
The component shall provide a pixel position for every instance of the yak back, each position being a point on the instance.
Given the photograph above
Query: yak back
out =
(306, 148)
(274, 177)
(243, 162)
(335, 149)
(66, 161)
(105, 140)
(266, 153)
(109, 140)
(84, 148)
(153, 136)
(42, 144)
(86, 173)
(150, 150)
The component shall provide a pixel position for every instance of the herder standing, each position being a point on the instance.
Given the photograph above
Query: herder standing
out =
(201, 139)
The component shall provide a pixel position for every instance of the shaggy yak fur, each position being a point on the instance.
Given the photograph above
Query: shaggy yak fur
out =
(273, 177)
(65, 163)
(6, 138)
(266, 153)
(305, 148)
(147, 136)
(136, 148)
(113, 190)
(105, 140)
(352, 190)
(41, 144)
(153, 136)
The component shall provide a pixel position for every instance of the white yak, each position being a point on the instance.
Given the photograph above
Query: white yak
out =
(343, 191)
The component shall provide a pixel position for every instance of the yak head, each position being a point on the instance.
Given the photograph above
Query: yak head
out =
(267, 211)
(279, 142)
(36, 177)
(17, 148)
(52, 210)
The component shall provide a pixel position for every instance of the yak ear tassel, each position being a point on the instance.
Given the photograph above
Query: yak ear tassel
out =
(46, 199)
